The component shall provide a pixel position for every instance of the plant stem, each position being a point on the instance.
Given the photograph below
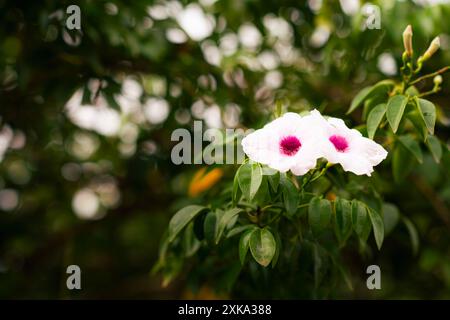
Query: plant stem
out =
(435, 89)
(324, 170)
(427, 93)
(308, 179)
(407, 65)
(274, 218)
(430, 75)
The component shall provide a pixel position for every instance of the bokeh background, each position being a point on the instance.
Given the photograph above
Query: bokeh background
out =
(86, 117)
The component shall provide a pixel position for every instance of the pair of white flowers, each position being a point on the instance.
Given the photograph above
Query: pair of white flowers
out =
(295, 143)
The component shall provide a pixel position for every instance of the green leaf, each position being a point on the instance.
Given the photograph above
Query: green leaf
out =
(413, 234)
(199, 229)
(416, 118)
(244, 179)
(112, 102)
(378, 226)
(244, 243)
(278, 249)
(224, 220)
(182, 218)
(359, 98)
(290, 193)
(249, 179)
(435, 147)
(402, 163)
(412, 146)
(236, 191)
(172, 269)
(239, 229)
(274, 181)
(360, 220)
(163, 249)
(378, 88)
(374, 119)
(391, 216)
(319, 214)
(371, 103)
(210, 226)
(395, 109)
(262, 246)
(231, 222)
(428, 113)
(343, 220)
(190, 243)
(256, 179)
(86, 98)
(412, 91)
(263, 192)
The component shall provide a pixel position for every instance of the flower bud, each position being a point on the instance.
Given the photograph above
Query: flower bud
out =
(437, 80)
(434, 46)
(407, 40)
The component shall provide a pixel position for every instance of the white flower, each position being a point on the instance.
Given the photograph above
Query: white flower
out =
(349, 148)
(287, 143)
(294, 143)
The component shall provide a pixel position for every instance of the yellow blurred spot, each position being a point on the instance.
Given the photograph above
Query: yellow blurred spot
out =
(201, 181)
(331, 196)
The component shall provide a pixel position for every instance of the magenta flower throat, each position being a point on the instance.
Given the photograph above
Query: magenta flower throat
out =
(339, 142)
(290, 145)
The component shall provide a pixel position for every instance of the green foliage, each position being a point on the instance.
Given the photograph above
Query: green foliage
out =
(343, 220)
(381, 88)
(262, 246)
(313, 230)
(395, 109)
(319, 215)
(250, 179)
(361, 220)
(378, 226)
(435, 147)
(374, 119)
(413, 235)
(402, 163)
(226, 220)
(412, 146)
(271, 204)
(427, 111)
(181, 219)
(290, 194)
(244, 243)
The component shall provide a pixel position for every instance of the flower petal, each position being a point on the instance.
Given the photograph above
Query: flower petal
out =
(362, 153)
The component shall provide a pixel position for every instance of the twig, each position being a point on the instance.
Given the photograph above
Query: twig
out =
(440, 71)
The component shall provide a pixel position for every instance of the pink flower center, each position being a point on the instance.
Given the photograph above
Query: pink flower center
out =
(289, 145)
(339, 142)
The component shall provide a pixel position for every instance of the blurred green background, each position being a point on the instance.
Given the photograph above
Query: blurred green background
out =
(86, 118)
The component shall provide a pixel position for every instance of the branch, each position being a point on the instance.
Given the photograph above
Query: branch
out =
(430, 75)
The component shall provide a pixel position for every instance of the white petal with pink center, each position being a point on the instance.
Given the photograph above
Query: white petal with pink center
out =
(349, 148)
(287, 143)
